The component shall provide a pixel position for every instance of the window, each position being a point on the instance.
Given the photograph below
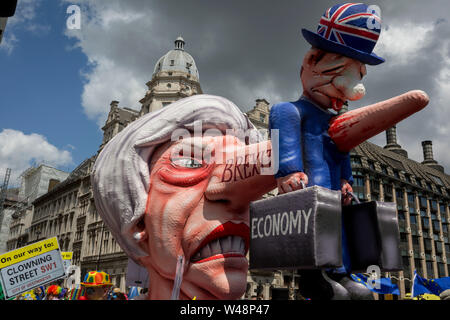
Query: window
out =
(439, 247)
(387, 188)
(396, 174)
(436, 226)
(418, 265)
(441, 268)
(375, 185)
(429, 269)
(428, 245)
(434, 205)
(423, 202)
(358, 181)
(437, 180)
(262, 117)
(172, 62)
(355, 161)
(371, 165)
(403, 237)
(413, 219)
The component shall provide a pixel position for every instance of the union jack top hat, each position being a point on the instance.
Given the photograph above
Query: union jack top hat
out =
(350, 29)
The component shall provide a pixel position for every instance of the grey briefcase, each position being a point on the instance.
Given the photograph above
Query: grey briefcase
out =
(371, 229)
(297, 230)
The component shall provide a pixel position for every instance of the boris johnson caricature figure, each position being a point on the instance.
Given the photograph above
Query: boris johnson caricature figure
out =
(315, 142)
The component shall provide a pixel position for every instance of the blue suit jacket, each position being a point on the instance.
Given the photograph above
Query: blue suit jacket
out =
(305, 146)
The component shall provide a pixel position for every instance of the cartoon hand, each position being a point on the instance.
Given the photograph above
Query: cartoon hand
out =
(346, 188)
(291, 182)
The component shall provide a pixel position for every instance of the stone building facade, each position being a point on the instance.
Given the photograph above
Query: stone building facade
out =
(7, 210)
(421, 192)
(36, 181)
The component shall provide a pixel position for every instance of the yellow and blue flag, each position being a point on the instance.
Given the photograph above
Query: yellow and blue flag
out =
(380, 286)
(433, 286)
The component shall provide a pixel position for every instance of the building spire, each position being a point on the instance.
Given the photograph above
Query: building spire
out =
(391, 140)
(428, 158)
(179, 43)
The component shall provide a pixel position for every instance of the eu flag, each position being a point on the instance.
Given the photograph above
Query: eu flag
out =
(433, 286)
(380, 286)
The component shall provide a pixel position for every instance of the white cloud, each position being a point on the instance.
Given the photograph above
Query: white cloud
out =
(19, 151)
(417, 57)
(25, 19)
(401, 43)
(108, 37)
(8, 44)
(108, 82)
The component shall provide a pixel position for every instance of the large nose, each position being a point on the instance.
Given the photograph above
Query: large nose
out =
(244, 174)
(349, 83)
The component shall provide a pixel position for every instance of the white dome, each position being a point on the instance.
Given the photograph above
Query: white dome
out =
(177, 60)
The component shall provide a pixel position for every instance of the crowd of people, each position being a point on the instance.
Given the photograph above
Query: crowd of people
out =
(57, 292)
(96, 286)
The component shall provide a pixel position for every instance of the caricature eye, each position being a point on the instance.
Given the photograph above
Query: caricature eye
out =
(184, 171)
(334, 70)
(187, 163)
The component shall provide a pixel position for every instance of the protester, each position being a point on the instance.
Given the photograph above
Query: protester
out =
(54, 292)
(96, 285)
(117, 295)
(39, 292)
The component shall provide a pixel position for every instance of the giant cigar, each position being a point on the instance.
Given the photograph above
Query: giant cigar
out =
(356, 126)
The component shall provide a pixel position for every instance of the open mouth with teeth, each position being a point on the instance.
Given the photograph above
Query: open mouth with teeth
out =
(226, 241)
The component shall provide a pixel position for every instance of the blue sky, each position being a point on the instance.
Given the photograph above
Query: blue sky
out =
(41, 86)
(56, 84)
